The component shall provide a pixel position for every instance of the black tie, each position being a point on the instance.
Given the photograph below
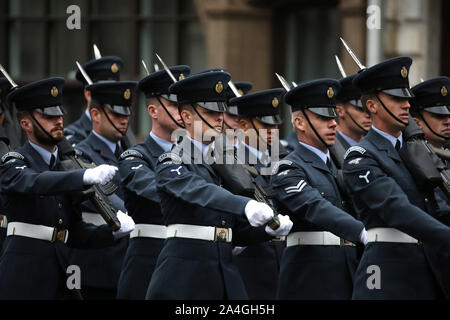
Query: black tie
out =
(329, 164)
(397, 145)
(118, 152)
(52, 162)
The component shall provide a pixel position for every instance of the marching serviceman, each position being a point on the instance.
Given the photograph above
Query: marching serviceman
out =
(316, 263)
(203, 220)
(259, 117)
(42, 218)
(137, 171)
(397, 215)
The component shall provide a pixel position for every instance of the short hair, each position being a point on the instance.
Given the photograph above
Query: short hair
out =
(21, 114)
(365, 98)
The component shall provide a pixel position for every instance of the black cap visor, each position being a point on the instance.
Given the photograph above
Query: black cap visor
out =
(439, 110)
(50, 111)
(170, 97)
(328, 112)
(233, 110)
(271, 120)
(357, 103)
(399, 92)
(219, 106)
(122, 110)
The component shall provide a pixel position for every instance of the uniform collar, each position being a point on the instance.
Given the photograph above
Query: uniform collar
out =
(111, 145)
(164, 144)
(320, 154)
(349, 140)
(390, 138)
(45, 154)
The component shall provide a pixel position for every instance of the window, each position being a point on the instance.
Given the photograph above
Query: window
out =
(40, 45)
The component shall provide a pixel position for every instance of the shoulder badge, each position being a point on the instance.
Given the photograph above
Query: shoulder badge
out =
(12, 155)
(280, 163)
(170, 156)
(354, 148)
(130, 153)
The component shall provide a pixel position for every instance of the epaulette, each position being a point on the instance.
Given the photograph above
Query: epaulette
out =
(359, 149)
(12, 155)
(277, 165)
(130, 153)
(170, 156)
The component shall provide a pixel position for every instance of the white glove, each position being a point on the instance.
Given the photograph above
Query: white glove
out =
(126, 225)
(99, 175)
(363, 236)
(284, 228)
(258, 213)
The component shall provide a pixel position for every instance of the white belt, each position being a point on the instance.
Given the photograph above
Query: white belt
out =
(389, 235)
(317, 238)
(149, 231)
(199, 232)
(37, 232)
(94, 218)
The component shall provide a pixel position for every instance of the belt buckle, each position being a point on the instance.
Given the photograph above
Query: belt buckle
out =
(220, 234)
(59, 235)
(346, 243)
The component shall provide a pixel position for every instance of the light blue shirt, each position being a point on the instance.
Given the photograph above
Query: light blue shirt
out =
(205, 148)
(391, 139)
(320, 154)
(86, 112)
(46, 155)
(165, 145)
(111, 145)
(349, 140)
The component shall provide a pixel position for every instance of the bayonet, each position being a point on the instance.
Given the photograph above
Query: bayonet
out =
(7, 76)
(341, 68)
(350, 51)
(166, 68)
(96, 52)
(284, 83)
(234, 89)
(83, 72)
(145, 67)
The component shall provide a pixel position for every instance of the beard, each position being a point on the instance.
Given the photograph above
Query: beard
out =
(44, 139)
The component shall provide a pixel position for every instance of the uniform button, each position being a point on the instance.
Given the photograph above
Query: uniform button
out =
(60, 205)
(426, 200)
(60, 221)
(224, 223)
(322, 194)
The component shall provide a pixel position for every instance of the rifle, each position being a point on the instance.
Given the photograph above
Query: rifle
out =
(97, 194)
(424, 161)
(240, 179)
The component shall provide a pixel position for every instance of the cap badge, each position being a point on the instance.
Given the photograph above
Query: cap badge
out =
(404, 72)
(127, 94)
(275, 102)
(330, 92)
(241, 92)
(180, 77)
(219, 87)
(114, 68)
(444, 91)
(54, 91)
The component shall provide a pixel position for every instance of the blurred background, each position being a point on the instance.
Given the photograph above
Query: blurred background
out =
(252, 39)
